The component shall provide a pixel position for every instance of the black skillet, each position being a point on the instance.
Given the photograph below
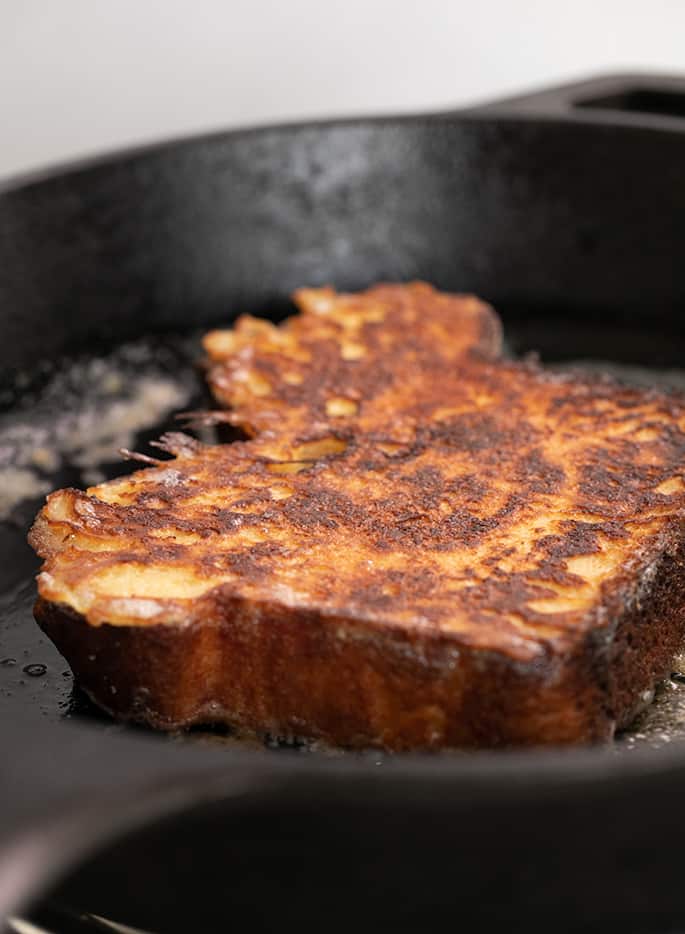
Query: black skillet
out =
(565, 209)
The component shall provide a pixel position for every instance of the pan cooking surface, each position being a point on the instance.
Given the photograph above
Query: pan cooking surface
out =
(65, 425)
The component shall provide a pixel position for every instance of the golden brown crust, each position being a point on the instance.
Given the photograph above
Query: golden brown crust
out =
(374, 350)
(422, 546)
(354, 686)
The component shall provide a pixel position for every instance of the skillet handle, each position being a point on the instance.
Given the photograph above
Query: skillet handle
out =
(634, 99)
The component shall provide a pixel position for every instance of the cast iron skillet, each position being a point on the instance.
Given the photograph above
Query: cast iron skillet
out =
(566, 210)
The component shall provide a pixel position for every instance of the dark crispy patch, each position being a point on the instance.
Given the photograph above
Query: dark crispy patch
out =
(477, 432)
(252, 562)
(537, 474)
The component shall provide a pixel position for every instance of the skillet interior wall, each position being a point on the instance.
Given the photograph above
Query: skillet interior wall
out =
(546, 219)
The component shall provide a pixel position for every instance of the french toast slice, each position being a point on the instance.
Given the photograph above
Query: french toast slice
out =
(421, 545)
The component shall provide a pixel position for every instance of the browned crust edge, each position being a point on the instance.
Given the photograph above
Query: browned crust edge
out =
(270, 668)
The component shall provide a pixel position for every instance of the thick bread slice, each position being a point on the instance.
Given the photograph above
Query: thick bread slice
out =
(469, 552)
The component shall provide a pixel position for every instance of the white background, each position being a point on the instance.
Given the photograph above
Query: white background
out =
(81, 76)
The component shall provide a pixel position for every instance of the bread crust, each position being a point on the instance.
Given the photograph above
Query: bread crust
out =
(269, 669)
